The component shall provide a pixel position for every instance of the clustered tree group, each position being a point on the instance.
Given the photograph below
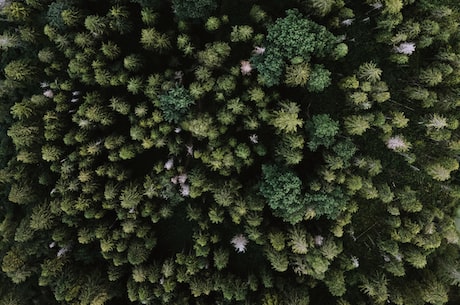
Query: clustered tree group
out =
(248, 152)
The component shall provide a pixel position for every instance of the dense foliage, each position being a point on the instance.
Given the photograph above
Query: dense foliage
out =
(230, 152)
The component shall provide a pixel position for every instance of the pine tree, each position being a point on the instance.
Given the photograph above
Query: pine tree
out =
(278, 260)
(71, 17)
(277, 240)
(97, 25)
(282, 189)
(19, 70)
(322, 131)
(369, 72)
(320, 79)
(431, 77)
(287, 118)
(110, 50)
(16, 11)
(357, 124)
(175, 104)
(299, 240)
(297, 75)
(130, 196)
(214, 54)
(442, 169)
(132, 62)
(376, 287)
(321, 7)
(151, 39)
(119, 19)
(185, 9)
(221, 258)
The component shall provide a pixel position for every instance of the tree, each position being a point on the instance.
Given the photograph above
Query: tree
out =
(175, 104)
(241, 33)
(16, 11)
(214, 54)
(297, 74)
(376, 287)
(290, 148)
(130, 196)
(185, 9)
(330, 204)
(357, 124)
(151, 39)
(369, 72)
(441, 170)
(132, 62)
(60, 14)
(282, 189)
(97, 25)
(71, 17)
(287, 118)
(20, 70)
(120, 19)
(319, 80)
(322, 130)
(431, 77)
(110, 49)
(294, 37)
(51, 153)
(321, 7)
(278, 260)
(14, 264)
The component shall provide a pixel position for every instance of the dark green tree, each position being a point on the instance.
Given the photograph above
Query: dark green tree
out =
(175, 104)
(283, 191)
(185, 9)
(322, 130)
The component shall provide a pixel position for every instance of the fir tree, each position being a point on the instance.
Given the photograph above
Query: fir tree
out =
(175, 104)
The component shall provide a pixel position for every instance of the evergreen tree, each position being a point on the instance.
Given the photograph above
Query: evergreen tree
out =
(175, 104)
(322, 131)
(288, 202)
(193, 9)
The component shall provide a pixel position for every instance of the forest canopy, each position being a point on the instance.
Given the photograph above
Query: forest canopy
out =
(230, 152)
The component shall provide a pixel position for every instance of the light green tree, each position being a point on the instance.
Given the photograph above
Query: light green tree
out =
(286, 120)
